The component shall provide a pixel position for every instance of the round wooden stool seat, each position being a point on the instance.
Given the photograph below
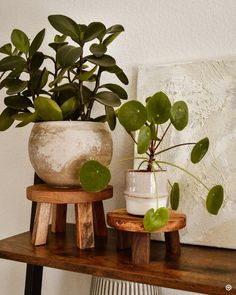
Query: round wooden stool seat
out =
(42, 193)
(131, 234)
(89, 212)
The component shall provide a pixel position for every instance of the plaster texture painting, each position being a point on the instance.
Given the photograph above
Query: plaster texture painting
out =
(209, 88)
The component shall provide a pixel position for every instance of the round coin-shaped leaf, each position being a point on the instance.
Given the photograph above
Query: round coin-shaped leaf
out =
(94, 176)
(199, 150)
(154, 220)
(174, 196)
(132, 115)
(144, 139)
(158, 108)
(48, 109)
(179, 115)
(215, 199)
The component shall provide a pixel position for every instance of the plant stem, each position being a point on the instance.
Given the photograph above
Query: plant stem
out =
(163, 135)
(174, 146)
(151, 156)
(128, 159)
(82, 105)
(186, 171)
(91, 102)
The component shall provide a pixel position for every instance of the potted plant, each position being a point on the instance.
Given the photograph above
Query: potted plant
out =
(146, 189)
(58, 91)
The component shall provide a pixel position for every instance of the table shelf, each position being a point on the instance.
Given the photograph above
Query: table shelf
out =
(199, 269)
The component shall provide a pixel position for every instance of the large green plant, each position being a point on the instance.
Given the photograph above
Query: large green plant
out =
(148, 121)
(64, 85)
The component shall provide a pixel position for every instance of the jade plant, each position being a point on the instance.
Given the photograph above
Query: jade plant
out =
(65, 84)
(149, 121)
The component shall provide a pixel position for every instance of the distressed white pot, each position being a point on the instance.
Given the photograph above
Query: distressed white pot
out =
(140, 190)
(57, 150)
(105, 286)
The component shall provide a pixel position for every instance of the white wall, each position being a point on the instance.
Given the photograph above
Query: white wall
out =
(157, 31)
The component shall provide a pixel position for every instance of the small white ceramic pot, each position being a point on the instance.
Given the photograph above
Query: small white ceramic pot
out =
(105, 286)
(140, 190)
(57, 150)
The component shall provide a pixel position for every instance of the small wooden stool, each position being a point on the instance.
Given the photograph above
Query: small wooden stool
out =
(131, 233)
(89, 213)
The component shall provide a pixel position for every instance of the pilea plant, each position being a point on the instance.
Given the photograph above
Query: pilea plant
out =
(147, 120)
(67, 88)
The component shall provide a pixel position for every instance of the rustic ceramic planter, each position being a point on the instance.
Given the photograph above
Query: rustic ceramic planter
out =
(140, 190)
(57, 150)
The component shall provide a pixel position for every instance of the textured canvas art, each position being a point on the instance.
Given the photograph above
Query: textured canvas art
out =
(209, 88)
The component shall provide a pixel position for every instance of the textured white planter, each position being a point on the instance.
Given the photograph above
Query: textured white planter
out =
(58, 149)
(105, 286)
(140, 190)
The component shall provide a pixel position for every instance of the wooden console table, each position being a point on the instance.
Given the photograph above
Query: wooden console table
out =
(199, 269)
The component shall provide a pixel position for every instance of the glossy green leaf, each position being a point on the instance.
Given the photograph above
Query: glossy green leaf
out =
(11, 62)
(36, 61)
(27, 118)
(153, 129)
(37, 42)
(98, 49)
(154, 220)
(48, 109)
(17, 102)
(93, 31)
(116, 89)
(132, 115)
(6, 49)
(158, 108)
(174, 196)
(86, 75)
(215, 199)
(57, 46)
(15, 86)
(179, 115)
(67, 86)
(144, 139)
(6, 119)
(43, 78)
(110, 38)
(103, 61)
(115, 29)
(119, 73)
(59, 39)
(108, 98)
(94, 176)
(199, 150)
(111, 117)
(68, 55)
(20, 40)
(69, 107)
(65, 25)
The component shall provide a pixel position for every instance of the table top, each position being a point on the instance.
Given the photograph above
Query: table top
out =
(199, 269)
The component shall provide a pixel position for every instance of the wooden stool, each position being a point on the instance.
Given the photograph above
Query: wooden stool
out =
(131, 233)
(89, 213)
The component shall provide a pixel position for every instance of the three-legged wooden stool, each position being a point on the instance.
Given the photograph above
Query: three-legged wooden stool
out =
(131, 234)
(89, 213)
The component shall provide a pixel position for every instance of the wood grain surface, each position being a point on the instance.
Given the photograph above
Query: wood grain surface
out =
(122, 220)
(199, 269)
(46, 194)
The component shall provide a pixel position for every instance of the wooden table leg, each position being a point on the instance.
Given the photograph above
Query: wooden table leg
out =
(140, 246)
(99, 221)
(123, 239)
(172, 243)
(41, 221)
(59, 218)
(84, 225)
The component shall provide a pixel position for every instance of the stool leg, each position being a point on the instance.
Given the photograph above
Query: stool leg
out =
(84, 225)
(100, 228)
(140, 246)
(172, 243)
(59, 218)
(123, 239)
(41, 221)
